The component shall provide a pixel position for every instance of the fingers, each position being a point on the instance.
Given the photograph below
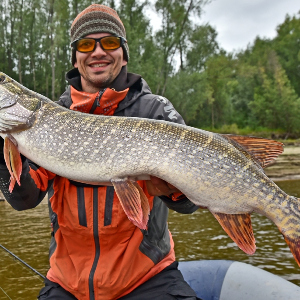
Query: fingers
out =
(159, 187)
(1, 144)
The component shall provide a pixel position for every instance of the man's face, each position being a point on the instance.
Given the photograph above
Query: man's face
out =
(99, 68)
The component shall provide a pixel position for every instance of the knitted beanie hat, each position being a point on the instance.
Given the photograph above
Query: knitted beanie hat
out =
(94, 19)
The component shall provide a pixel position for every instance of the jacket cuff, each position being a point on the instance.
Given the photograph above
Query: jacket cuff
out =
(182, 205)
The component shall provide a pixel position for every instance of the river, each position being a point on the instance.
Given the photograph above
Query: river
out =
(197, 236)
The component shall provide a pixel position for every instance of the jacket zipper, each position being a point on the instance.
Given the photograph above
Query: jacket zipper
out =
(97, 101)
(97, 243)
(95, 217)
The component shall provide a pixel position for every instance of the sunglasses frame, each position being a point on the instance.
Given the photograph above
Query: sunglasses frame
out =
(122, 42)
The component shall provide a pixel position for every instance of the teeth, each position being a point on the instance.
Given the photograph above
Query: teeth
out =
(98, 65)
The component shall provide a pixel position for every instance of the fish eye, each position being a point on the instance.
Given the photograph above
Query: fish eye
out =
(2, 78)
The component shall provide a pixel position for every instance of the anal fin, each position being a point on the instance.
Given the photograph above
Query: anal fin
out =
(239, 228)
(294, 245)
(133, 200)
(13, 161)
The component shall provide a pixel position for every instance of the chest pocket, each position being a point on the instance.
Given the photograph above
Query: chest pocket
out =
(104, 201)
(81, 206)
(108, 210)
(112, 216)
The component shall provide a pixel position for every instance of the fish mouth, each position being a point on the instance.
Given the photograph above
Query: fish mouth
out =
(8, 97)
(15, 118)
(8, 100)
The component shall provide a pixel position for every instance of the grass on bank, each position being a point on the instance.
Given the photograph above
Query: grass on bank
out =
(279, 135)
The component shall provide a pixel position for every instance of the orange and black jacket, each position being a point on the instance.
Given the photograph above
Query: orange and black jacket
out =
(95, 251)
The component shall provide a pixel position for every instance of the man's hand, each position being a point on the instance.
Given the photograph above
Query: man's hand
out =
(1, 145)
(159, 187)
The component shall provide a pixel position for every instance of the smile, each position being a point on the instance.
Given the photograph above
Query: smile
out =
(99, 65)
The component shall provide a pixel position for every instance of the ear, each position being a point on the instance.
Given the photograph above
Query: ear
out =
(124, 62)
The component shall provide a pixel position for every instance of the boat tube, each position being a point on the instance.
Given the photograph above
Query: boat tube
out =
(232, 280)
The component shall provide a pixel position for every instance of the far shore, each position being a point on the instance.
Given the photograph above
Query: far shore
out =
(286, 166)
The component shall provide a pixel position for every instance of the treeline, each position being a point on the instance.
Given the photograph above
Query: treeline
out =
(256, 89)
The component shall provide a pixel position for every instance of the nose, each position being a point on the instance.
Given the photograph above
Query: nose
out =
(98, 50)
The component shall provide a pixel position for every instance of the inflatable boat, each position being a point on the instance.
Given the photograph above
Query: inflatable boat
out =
(232, 280)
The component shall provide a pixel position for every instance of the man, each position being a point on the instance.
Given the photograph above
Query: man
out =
(95, 251)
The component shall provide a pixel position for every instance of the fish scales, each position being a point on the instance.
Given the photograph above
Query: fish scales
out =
(209, 169)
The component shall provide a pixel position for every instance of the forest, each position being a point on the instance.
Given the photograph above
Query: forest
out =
(253, 91)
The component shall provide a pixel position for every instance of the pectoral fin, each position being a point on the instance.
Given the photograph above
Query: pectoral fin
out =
(144, 204)
(239, 228)
(133, 201)
(13, 161)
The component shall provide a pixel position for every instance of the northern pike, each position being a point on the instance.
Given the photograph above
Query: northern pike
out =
(223, 173)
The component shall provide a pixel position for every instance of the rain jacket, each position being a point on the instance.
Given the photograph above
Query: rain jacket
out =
(95, 251)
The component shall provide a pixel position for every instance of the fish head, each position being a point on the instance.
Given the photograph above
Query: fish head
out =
(12, 92)
(8, 92)
(17, 105)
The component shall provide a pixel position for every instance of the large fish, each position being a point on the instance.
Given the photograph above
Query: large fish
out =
(222, 173)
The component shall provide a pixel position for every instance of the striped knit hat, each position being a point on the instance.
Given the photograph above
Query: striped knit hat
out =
(94, 19)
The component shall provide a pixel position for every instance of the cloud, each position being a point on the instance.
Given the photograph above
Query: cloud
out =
(238, 23)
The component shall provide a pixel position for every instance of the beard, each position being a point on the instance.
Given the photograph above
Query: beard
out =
(98, 81)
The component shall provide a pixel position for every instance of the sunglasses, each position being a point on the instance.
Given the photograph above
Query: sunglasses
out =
(106, 43)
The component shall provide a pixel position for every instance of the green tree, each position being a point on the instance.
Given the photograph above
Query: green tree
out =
(219, 72)
(10, 35)
(176, 16)
(287, 47)
(276, 104)
(241, 91)
(189, 93)
(203, 45)
(144, 56)
(3, 37)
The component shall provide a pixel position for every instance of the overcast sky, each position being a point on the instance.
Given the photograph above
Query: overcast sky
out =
(239, 22)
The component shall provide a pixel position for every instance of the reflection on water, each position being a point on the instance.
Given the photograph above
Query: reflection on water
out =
(197, 236)
(27, 235)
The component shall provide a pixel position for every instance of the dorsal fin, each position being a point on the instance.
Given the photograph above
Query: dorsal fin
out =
(264, 151)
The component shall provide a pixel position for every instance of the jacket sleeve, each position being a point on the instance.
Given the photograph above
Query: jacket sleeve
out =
(162, 109)
(35, 182)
